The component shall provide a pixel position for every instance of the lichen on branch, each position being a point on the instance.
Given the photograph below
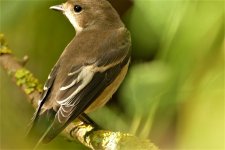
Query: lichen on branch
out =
(25, 78)
(3, 46)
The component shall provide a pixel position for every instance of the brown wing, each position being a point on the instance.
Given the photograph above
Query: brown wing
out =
(77, 101)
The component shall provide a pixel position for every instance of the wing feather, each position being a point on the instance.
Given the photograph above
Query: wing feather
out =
(84, 77)
(48, 84)
(79, 102)
(47, 88)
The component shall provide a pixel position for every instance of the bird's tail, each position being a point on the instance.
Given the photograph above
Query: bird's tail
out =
(39, 127)
(42, 137)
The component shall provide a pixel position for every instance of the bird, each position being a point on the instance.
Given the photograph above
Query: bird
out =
(89, 70)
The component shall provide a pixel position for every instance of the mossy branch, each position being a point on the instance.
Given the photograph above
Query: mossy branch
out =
(77, 130)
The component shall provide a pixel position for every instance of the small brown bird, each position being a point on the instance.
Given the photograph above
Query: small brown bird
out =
(88, 72)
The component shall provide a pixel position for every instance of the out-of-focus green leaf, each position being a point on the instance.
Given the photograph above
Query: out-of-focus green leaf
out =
(143, 88)
(201, 121)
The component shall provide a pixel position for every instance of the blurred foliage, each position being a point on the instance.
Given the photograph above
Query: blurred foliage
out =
(174, 91)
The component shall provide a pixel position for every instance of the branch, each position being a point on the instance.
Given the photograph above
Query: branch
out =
(77, 130)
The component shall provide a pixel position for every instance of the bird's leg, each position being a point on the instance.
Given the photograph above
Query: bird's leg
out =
(87, 120)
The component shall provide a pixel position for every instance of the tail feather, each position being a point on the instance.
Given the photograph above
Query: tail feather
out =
(42, 137)
(40, 126)
(55, 129)
(32, 122)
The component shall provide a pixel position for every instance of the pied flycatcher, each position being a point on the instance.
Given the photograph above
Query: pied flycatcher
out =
(88, 72)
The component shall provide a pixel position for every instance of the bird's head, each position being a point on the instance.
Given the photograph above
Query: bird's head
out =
(90, 14)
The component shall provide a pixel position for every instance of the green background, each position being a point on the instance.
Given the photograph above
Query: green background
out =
(174, 90)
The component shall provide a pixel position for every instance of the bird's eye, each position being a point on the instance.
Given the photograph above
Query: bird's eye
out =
(77, 8)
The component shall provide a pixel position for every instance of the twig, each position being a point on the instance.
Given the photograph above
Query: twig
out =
(77, 130)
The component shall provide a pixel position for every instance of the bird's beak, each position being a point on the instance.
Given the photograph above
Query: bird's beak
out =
(57, 8)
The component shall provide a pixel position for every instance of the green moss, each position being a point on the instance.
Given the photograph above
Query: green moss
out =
(5, 50)
(2, 39)
(3, 46)
(26, 79)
